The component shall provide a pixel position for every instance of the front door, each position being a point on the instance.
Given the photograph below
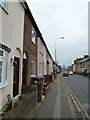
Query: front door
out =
(16, 77)
(24, 78)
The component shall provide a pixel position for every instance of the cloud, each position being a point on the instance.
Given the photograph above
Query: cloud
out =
(63, 18)
(59, 1)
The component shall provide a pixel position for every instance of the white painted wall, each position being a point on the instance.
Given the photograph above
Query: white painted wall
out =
(0, 25)
(41, 57)
(45, 60)
(50, 66)
(12, 36)
(74, 67)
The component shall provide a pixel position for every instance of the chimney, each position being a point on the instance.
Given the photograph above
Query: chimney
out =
(86, 56)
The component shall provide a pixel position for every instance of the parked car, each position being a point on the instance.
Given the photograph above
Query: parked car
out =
(65, 73)
(70, 73)
(89, 74)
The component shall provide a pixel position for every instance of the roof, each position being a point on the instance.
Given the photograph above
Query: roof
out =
(27, 10)
(83, 60)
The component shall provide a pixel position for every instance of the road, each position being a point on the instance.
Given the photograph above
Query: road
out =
(80, 86)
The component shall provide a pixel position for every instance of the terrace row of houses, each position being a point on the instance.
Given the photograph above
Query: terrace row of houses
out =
(81, 65)
(23, 52)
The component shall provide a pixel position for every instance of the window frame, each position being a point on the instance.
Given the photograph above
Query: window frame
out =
(33, 75)
(4, 60)
(33, 37)
(5, 7)
(40, 68)
(1, 60)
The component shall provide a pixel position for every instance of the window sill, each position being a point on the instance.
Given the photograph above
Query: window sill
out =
(4, 9)
(33, 75)
(39, 74)
(34, 43)
(4, 85)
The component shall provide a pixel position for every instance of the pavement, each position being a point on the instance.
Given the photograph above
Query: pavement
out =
(57, 103)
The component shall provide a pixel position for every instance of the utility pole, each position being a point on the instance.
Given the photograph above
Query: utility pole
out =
(56, 54)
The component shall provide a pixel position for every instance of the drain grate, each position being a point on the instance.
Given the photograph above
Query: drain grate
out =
(81, 116)
(78, 115)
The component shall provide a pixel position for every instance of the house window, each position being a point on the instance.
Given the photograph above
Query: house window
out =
(33, 36)
(3, 67)
(4, 4)
(33, 68)
(40, 69)
(1, 71)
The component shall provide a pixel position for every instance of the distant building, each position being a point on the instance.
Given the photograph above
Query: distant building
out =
(70, 68)
(80, 64)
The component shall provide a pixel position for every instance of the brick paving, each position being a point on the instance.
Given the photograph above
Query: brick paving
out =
(25, 107)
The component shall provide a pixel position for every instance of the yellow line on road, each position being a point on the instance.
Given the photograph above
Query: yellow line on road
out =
(75, 100)
(86, 114)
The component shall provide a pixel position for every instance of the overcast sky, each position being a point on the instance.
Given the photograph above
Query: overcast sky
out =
(67, 18)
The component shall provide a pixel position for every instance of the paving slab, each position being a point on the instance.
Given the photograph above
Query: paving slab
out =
(55, 105)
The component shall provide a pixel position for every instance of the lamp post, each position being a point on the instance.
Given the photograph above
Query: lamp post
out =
(56, 55)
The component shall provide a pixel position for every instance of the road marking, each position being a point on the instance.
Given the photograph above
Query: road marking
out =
(80, 105)
(75, 100)
(78, 108)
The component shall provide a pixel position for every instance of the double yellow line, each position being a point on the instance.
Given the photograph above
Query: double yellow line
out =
(76, 101)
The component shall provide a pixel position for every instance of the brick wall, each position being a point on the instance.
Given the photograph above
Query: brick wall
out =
(29, 48)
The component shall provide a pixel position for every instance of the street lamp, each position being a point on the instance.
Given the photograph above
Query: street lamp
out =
(56, 54)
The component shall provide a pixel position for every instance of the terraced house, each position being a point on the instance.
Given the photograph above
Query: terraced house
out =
(11, 49)
(23, 52)
(45, 65)
(81, 64)
(29, 47)
(34, 52)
